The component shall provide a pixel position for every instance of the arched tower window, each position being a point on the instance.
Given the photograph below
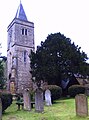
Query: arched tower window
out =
(9, 76)
(25, 56)
(25, 31)
(22, 31)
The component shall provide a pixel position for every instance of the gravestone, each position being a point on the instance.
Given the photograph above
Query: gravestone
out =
(0, 109)
(39, 104)
(81, 105)
(48, 97)
(26, 99)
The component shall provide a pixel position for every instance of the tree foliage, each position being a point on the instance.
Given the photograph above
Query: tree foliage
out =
(56, 58)
(2, 81)
(1, 69)
(2, 78)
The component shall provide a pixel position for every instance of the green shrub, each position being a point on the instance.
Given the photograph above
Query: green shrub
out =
(56, 91)
(76, 89)
(6, 99)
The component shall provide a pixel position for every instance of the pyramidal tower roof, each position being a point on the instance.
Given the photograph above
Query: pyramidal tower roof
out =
(20, 14)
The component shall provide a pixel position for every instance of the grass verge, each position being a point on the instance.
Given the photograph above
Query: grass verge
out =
(61, 110)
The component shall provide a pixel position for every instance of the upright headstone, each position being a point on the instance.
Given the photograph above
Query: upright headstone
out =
(0, 109)
(26, 99)
(81, 105)
(39, 104)
(48, 97)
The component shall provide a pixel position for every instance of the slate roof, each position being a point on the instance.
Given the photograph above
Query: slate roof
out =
(20, 14)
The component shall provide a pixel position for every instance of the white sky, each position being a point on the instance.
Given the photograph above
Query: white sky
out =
(70, 17)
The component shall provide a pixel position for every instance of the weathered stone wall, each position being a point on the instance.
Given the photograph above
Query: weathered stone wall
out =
(17, 45)
(23, 68)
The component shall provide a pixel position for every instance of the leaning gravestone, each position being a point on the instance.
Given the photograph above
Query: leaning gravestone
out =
(81, 105)
(0, 109)
(48, 97)
(39, 104)
(26, 99)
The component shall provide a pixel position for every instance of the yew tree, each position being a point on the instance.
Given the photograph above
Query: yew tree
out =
(56, 58)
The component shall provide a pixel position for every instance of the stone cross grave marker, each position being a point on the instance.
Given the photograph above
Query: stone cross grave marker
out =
(81, 105)
(39, 104)
(0, 109)
(26, 99)
(48, 97)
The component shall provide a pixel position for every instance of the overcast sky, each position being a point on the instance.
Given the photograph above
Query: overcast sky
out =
(70, 17)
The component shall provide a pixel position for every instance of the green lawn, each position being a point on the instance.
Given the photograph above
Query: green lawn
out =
(61, 110)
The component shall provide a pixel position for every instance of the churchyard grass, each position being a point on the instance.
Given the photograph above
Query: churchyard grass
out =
(63, 109)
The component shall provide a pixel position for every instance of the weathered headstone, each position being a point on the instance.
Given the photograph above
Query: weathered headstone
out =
(81, 105)
(39, 104)
(0, 109)
(48, 97)
(26, 99)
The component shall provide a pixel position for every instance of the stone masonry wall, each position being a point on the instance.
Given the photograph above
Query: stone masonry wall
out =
(19, 47)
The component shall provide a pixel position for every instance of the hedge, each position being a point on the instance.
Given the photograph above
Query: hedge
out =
(6, 99)
(76, 89)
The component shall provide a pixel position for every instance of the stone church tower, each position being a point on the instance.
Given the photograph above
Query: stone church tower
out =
(20, 43)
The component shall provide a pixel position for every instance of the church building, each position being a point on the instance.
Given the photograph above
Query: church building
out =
(20, 43)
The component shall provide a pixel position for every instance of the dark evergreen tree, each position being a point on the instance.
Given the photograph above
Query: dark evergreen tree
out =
(2, 79)
(58, 58)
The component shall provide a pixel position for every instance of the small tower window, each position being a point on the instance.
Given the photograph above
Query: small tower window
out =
(25, 31)
(22, 31)
(25, 56)
(9, 76)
